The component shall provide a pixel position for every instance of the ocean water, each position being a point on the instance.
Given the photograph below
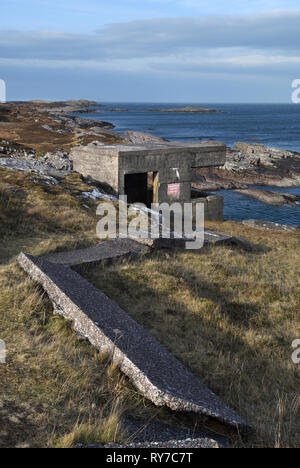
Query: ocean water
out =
(239, 207)
(275, 125)
(270, 124)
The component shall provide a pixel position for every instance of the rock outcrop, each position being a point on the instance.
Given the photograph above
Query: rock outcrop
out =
(10, 149)
(271, 198)
(58, 160)
(265, 152)
(252, 164)
(137, 138)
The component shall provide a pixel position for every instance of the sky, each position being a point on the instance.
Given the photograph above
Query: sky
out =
(188, 51)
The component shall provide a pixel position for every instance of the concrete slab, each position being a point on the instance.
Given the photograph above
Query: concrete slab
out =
(144, 434)
(139, 431)
(210, 237)
(153, 370)
(107, 250)
(116, 248)
(202, 442)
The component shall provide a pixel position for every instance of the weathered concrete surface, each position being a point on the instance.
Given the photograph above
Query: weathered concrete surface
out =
(201, 442)
(155, 373)
(140, 430)
(110, 249)
(213, 207)
(117, 248)
(255, 223)
(174, 163)
(144, 434)
(210, 237)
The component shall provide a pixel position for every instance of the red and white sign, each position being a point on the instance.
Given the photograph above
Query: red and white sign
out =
(173, 189)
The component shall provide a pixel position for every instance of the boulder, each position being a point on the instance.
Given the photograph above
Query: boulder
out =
(59, 160)
(137, 138)
(271, 198)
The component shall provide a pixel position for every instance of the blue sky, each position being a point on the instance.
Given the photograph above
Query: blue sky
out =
(150, 50)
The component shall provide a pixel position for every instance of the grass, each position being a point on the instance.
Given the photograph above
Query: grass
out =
(230, 317)
(107, 430)
(25, 123)
(55, 388)
(52, 382)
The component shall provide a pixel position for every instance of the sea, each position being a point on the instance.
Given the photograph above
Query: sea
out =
(276, 125)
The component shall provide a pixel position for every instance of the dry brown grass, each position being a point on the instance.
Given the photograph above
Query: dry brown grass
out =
(55, 388)
(31, 209)
(231, 317)
(24, 124)
(52, 381)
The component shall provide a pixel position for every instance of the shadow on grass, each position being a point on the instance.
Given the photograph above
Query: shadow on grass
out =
(251, 378)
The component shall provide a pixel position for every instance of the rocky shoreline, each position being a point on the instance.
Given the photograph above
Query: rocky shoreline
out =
(271, 198)
(252, 164)
(39, 135)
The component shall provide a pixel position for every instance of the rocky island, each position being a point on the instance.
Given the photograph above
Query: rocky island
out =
(189, 109)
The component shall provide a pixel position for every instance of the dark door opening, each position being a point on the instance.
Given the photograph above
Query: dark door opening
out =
(142, 188)
(136, 187)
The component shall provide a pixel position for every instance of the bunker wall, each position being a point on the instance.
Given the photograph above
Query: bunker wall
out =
(213, 207)
(101, 167)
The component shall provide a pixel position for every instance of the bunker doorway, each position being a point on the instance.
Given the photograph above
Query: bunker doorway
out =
(142, 188)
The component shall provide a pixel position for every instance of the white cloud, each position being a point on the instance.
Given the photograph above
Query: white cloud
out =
(258, 43)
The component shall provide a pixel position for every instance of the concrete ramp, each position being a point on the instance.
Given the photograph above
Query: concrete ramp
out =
(153, 370)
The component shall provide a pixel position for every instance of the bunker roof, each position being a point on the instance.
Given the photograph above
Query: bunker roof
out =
(117, 150)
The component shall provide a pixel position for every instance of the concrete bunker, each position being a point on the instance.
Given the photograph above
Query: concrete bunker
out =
(153, 173)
